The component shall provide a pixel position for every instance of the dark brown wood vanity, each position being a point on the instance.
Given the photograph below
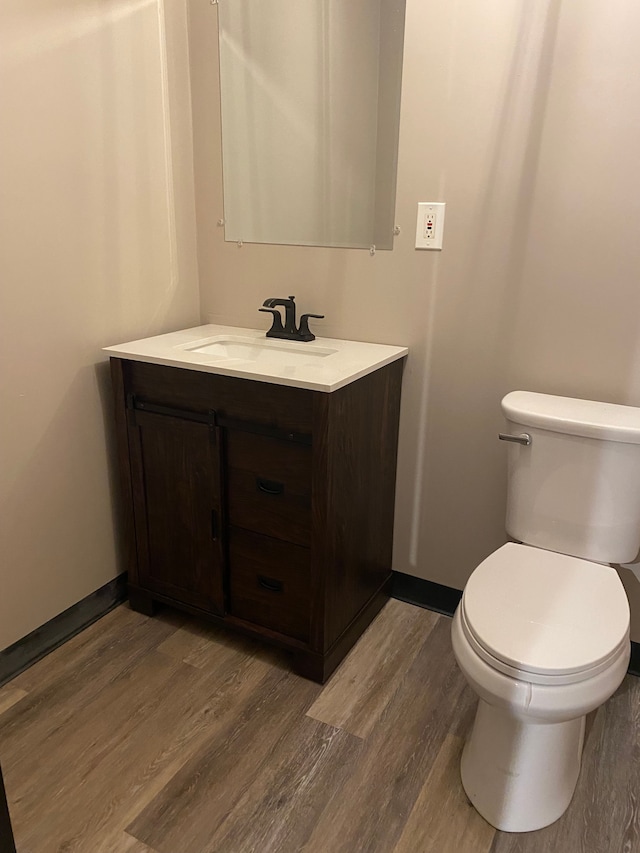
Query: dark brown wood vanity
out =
(261, 507)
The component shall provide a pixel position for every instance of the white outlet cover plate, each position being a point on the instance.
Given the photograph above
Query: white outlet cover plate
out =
(430, 225)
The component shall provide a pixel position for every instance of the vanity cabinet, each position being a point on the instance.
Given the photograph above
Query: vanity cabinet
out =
(264, 508)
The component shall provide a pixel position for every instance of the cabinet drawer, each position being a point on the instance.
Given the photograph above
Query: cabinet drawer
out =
(269, 582)
(269, 486)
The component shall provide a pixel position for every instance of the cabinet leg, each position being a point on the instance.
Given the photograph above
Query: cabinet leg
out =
(142, 602)
(310, 665)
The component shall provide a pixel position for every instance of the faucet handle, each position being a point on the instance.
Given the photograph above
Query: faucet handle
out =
(304, 333)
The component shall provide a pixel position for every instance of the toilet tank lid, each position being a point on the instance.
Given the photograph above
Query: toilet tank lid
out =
(604, 421)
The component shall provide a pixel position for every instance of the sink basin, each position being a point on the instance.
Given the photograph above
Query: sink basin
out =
(267, 351)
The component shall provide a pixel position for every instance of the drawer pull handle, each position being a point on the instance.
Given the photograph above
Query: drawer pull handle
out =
(270, 584)
(270, 487)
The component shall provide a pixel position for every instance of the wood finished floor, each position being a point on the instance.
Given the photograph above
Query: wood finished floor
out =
(164, 735)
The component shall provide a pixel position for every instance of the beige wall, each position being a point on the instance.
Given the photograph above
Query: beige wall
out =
(97, 246)
(526, 124)
(523, 116)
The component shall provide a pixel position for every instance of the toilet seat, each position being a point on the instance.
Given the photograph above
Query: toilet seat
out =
(556, 678)
(543, 617)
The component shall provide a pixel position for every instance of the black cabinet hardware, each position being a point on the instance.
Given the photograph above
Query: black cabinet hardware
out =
(269, 487)
(270, 583)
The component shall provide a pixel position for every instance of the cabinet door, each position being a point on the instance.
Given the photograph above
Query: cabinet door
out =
(175, 466)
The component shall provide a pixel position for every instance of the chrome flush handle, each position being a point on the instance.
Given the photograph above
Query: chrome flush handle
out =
(523, 438)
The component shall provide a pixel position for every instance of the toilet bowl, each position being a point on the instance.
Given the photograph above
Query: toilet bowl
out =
(543, 639)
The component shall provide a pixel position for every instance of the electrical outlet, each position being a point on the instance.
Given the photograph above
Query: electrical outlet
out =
(430, 225)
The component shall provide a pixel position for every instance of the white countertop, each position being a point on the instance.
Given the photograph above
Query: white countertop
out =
(325, 364)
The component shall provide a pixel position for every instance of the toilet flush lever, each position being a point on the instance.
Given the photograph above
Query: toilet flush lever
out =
(523, 438)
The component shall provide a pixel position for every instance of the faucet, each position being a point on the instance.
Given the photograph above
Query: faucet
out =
(289, 305)
(288, 331)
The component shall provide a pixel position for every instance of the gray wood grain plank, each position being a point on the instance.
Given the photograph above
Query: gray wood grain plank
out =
(442, 820)
(204, 646)
(9, 696)
(77, 671)
(192, 807)
(304, 775)
(360, 690)
(121, 749)
(120, 842)
(66, 681)
(397, 756)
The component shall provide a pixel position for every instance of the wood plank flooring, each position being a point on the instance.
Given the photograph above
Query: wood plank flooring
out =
(165, 735)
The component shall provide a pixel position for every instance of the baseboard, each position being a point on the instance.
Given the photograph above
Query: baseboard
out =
(55, 632)
(444, 599)
(427, 594)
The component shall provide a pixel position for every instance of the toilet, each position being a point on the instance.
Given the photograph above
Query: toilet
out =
(542, 630)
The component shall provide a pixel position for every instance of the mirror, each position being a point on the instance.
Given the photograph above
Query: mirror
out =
(310, 99)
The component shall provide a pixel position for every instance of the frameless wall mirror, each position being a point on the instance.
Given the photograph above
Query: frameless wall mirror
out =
(310, 96)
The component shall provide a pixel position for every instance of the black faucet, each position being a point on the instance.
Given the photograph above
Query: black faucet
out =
(289, 331)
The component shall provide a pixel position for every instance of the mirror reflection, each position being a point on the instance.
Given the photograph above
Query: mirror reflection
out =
(310, 98)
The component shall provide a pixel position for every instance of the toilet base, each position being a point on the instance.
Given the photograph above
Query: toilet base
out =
(521, 776)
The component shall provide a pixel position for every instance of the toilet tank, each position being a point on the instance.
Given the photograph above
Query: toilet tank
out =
(576, 488)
